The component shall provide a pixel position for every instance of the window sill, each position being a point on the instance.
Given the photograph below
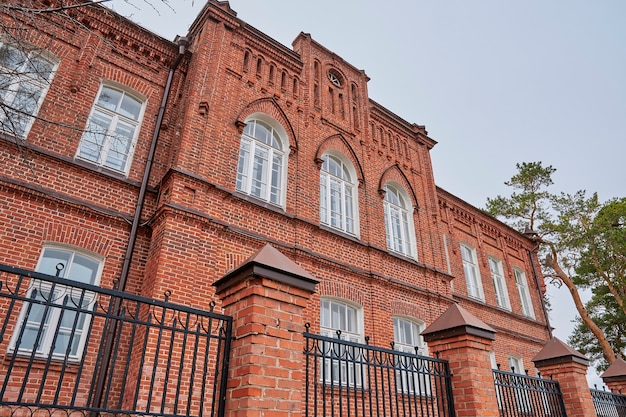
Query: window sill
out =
(339, 232)
(41, 362)
(259, 202)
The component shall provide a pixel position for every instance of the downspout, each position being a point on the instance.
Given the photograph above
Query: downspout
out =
(183, 42)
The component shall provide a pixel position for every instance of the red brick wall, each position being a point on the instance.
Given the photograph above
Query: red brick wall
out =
(196, 226)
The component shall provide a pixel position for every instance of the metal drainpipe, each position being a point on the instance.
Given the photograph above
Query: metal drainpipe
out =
(183, 42)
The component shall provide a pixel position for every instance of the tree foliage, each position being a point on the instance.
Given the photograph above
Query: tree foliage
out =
(582, 242)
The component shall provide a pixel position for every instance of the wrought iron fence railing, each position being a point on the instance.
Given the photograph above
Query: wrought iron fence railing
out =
(349, 379)
(523, 395)
(76, 348)
(608, 404)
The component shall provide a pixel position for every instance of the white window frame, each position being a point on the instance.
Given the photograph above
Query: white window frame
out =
(524, 293)
(522, 398)
(22, 81)
(262, 162)
(499, 283)
(338, 194)
(410, 375)
(399, 227)
(350, 330)
(472, 272)
(56, 295)
(98, 143)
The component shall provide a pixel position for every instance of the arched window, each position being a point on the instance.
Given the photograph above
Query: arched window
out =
(112, 129)
(524, 293)
(499, 283)
(24, 79)
(55, 321)
(338, 359)
(338, 194)
(472, 274)
(407, 337)
(261, 165)
(399, 221)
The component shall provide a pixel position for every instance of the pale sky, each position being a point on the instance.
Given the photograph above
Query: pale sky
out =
(494, 82)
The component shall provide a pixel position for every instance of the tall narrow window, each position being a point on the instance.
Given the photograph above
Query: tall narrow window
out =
(52, 323)
(499, 284)
(411, 375)
(112, 129)
(524, 294)
(399, 222)
(261, 162)
(24, 80)
(339, 365)
(337, 195)
(472, 275)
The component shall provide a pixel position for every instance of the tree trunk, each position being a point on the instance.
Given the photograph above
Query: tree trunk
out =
(552, 262)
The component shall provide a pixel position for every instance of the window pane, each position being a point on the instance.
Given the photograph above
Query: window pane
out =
(41, 67)
(109, 98)
(242, 166)
(84, 269)
(51, 258)
(130, 107)
(259, 169)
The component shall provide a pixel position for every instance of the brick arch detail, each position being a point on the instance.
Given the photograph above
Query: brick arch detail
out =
(395, 173)
(270, 107)
(339, 143)
(404, 308)
(130, 81)
(344, 291)
(77, 236)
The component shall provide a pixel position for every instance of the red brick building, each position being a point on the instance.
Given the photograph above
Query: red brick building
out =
(164, 165)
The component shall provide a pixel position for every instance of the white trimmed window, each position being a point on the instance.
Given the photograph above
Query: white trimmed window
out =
(338, 194)
(399, 222)
(112, 129)
(522, 398)
(411, 375)
(341, 363)
(50, 324)
(472, 274)
(499, 283)
(261, 165)
(524, 294)
(24, 80)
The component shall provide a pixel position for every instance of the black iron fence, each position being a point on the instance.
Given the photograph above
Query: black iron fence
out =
(348, 379)
(608, 404)
(68, 347)
(523, 395)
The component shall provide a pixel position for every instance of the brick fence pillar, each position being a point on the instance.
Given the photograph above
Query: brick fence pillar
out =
(615, 376)
(568, 367)
(266, 297)
(465, 342)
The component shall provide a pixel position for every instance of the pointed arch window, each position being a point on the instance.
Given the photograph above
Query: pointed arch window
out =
(260, 169)
(338, 194)
(399, 221)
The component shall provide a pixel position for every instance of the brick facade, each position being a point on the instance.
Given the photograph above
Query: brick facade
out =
(196, 226)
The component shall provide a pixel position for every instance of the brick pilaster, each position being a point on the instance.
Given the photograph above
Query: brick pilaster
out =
(266, 298)
(465, 342)
(569, 368)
